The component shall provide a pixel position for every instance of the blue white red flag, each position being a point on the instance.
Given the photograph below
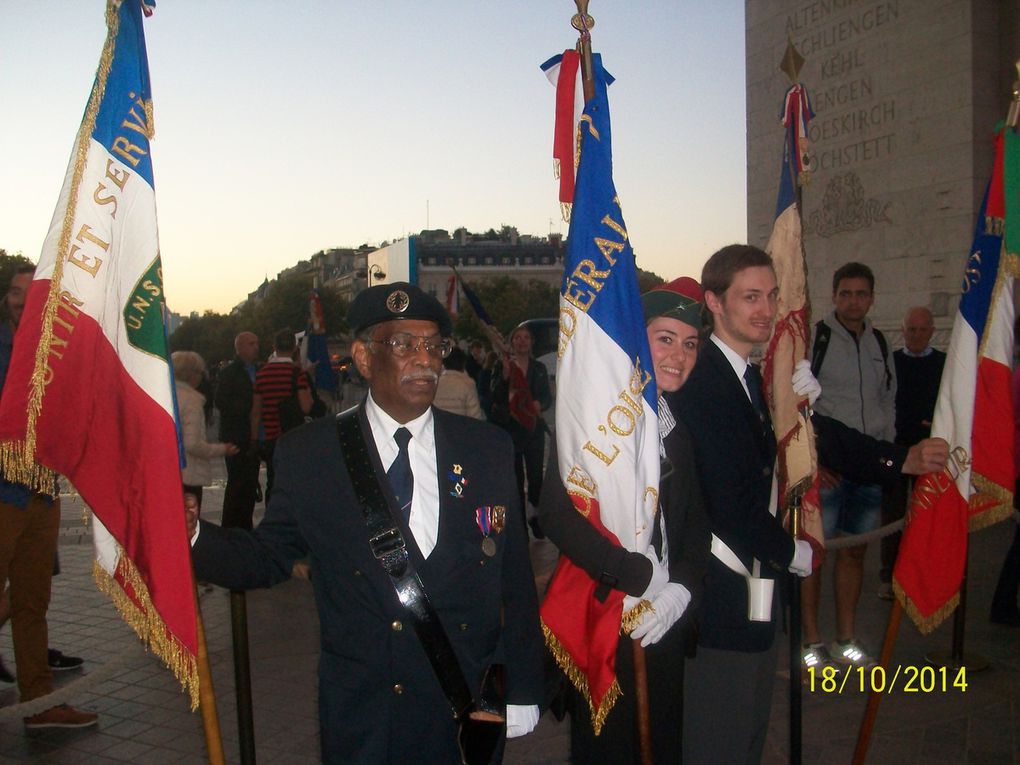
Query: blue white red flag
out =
(89, 390)
(797, 459)
(974, 411)
(606, 424)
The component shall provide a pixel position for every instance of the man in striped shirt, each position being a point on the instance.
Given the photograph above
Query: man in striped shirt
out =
(278, 379)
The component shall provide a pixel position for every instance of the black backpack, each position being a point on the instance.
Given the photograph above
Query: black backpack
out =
(289, 409)
(823, 333)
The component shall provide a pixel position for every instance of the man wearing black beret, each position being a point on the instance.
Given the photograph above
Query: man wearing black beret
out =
(419, 556)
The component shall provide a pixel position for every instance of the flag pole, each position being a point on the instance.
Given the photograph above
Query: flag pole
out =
(207, 696)
(791, 65)
(583, 23)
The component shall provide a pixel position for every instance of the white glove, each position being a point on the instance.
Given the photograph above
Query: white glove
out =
(802, 556)
(520, 719)
(669, 605)
(805, 383)
(660, 578)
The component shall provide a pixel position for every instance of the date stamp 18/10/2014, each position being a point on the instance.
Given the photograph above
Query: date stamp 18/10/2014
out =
(905, 678)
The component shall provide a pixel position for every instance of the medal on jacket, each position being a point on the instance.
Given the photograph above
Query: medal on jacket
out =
(484, 519)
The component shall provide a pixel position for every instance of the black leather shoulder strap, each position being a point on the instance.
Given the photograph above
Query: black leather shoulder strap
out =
(388, 547)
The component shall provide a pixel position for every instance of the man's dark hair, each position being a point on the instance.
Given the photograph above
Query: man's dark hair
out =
(853, 271)
(283, 341)
(718, 272)
(455, 360)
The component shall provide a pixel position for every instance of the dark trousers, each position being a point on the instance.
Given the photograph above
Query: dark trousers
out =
(894, 507)
(529, 464)
(1004, 602)
(617, 742)
(242, 488)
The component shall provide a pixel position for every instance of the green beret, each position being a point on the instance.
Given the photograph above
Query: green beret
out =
(679, 299)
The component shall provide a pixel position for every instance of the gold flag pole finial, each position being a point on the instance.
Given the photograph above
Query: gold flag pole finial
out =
(1013, 117)
(584, 23)
(792, 62)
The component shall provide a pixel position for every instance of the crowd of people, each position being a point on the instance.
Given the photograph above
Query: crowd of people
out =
(412, 511)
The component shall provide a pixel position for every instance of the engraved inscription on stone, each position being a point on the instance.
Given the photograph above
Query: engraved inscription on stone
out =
(846, 207)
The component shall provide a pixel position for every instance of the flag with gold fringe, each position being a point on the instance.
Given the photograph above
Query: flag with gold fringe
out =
(89, 393)
(974, 410)
(607, 431)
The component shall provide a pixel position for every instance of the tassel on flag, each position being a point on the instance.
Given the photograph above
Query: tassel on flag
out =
(563, 71)
(606, 422)
(89, 393)
(974, 411)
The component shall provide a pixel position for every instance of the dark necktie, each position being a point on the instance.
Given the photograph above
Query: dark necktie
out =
(400, 476)
(753, 380)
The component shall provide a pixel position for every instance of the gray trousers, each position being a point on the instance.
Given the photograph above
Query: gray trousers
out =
(727, 702)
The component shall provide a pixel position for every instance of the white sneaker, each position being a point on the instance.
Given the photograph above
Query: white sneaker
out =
(851, 654)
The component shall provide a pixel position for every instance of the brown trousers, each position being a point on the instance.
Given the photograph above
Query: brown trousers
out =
(28, 544)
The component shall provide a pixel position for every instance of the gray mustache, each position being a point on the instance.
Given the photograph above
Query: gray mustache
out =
(423, 375)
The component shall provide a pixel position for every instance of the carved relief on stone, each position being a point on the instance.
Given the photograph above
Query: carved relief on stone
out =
(846, 207)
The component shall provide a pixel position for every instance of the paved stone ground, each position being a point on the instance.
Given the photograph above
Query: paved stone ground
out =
(144, 717)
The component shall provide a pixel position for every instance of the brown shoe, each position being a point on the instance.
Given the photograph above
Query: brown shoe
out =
(62, 716)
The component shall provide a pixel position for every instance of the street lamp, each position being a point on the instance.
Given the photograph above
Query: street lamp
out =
(377, 272)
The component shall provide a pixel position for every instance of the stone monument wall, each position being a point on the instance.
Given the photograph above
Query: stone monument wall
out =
(906, 94)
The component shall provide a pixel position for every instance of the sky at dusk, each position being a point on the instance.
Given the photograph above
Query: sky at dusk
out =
(286, 128)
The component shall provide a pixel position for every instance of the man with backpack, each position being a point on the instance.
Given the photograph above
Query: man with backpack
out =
(282, 393)
(850, 359)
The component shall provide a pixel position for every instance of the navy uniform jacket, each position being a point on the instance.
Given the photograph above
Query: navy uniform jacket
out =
(379, 700)
(735, 455)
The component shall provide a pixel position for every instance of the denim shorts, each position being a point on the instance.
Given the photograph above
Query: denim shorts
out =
(851, 508)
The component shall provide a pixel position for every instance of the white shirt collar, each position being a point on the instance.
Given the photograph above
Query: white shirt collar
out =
(738, 362)
(382, 423)
(926, 352)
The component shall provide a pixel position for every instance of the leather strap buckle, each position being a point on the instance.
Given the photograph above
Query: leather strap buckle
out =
(387, 542)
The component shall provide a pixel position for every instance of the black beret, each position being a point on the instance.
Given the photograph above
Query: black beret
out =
(399, 300)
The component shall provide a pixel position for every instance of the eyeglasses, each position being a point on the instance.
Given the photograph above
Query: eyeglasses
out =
(403, 345)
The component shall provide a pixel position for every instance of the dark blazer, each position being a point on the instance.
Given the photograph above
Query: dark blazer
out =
(856, 455)
(233, 399)
(735, 455)
(379, 700)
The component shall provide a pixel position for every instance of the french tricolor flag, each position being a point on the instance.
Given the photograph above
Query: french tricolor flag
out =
(606, 423)
(974, 412)
(89, 393)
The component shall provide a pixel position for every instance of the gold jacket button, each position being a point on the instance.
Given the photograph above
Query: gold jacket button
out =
(397, 626)
(463, 627)
(398, 689)
(357, 572)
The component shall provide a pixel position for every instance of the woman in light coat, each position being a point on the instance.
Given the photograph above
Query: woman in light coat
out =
(199, 454)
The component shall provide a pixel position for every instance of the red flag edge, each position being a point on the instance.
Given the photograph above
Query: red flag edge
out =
(580, 682)
(925, 624)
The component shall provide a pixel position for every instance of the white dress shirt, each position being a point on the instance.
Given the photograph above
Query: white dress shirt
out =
(422, 452)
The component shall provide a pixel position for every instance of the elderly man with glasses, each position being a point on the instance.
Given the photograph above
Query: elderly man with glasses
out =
(424, 586)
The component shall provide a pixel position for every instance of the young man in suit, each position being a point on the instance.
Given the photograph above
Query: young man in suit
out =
(451, 492)
(728, 684)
